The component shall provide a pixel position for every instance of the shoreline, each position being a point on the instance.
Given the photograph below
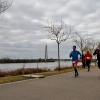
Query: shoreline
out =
(8, 79)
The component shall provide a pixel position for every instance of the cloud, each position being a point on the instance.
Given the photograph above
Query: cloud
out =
(23, 35)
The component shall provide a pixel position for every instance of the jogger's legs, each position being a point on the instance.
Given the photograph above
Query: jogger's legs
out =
(88, 64)
(88, 67)
(76, 71)
(83, 64)
(99, 64)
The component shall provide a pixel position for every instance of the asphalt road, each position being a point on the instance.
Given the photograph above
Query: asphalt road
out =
(59, 87)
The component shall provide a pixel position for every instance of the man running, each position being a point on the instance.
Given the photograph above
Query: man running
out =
(74, 54)
(88, 59)
(97, 52)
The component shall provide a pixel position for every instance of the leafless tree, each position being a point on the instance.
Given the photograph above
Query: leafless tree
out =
(88, 48)
(59, 32)
(94, 44)
(4, 5)
(81, 40)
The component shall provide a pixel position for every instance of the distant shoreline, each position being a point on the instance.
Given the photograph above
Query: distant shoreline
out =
(7, 60)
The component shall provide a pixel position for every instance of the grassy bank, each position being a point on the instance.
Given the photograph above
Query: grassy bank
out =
(9, 78)
(63, 70)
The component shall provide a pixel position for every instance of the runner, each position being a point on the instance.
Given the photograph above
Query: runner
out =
(97, 52)
(88, 59)
(83, 61)
(74, 54)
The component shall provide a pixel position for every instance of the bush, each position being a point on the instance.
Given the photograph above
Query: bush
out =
(21, 71)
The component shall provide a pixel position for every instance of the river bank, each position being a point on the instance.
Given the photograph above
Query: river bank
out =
(8, 78)
(48, 65)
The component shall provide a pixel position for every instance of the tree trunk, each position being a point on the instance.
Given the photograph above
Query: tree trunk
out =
(58, 57)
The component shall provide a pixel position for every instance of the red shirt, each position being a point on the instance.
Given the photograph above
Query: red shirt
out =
(84, 59)
(88, 56)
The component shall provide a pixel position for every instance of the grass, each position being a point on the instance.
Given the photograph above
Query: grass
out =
(61, 71)
(8, 79)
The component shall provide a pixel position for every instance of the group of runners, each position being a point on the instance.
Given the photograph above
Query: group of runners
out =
(86, 58)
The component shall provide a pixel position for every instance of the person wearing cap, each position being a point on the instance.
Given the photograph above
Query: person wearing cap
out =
(74, 54)
(88, 57)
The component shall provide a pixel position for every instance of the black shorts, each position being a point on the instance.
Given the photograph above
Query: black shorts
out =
(88, 62)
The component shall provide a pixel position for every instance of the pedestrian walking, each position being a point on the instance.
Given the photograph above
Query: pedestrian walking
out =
(97, 52)
(83, 61)
(88, 57)
(74, 54)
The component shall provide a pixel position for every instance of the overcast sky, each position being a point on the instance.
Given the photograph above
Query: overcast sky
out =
(22, 35)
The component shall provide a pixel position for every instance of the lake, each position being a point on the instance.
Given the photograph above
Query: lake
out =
(49, 65)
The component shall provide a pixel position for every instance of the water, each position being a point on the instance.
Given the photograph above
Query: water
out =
(49, 65)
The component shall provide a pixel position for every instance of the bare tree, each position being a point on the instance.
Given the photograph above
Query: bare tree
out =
(88, 48)
(81, 40)
(94, 44)
(4, 5)
(58, 32)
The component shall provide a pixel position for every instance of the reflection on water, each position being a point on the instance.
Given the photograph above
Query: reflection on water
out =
(49, 65)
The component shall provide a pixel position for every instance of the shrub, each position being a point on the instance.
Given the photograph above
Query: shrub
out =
(21, 71)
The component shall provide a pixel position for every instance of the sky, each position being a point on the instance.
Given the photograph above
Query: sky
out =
(22, 35)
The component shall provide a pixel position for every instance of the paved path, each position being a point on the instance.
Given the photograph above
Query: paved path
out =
(58, 87)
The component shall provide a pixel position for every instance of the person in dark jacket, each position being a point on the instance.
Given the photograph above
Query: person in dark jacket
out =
(83, 61)
(97, 52)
